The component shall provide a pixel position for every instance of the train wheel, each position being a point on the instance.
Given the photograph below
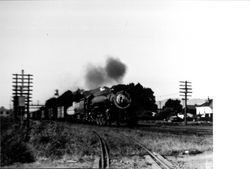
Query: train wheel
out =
(103, 120)
(97, 121)
(108, 118)
(100, 121)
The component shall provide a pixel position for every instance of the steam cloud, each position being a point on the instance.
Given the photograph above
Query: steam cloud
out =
(113, 71)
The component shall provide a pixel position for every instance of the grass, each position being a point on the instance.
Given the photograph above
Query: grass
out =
(165, 143)
(48, 140)
(14, 147)
(175, 144)
(57, 140)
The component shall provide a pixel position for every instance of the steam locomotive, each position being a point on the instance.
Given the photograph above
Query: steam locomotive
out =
(101, 106)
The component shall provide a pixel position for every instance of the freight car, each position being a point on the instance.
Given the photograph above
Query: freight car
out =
(101, 106)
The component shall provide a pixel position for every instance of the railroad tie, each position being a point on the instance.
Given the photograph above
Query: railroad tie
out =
(154, 165)
(168, 163)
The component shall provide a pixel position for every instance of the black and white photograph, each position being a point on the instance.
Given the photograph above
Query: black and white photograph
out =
(140, 84)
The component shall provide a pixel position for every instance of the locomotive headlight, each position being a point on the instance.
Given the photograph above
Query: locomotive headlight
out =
(122, 100)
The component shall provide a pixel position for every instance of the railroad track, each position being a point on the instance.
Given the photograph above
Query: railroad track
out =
(161, 162)
(177, 130)
(104, 158)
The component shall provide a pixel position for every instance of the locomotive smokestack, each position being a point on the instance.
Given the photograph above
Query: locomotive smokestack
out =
(113, 71)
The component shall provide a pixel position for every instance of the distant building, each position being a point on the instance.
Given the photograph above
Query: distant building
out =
(4, 112)
(205, 110)
(191, 112)
(197, 109)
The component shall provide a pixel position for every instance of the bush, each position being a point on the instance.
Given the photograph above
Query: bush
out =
(54, 140)
(6, 123)
(50, 139)
(13, 145)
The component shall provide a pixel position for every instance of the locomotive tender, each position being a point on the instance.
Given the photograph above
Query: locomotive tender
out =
(101, 106)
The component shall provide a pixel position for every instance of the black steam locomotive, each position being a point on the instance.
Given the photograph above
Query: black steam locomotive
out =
(101, 106)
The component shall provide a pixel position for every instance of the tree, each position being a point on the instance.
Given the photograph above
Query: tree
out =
(172, 107)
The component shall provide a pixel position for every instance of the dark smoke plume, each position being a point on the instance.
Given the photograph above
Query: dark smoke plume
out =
(113, 71)
(95, 76)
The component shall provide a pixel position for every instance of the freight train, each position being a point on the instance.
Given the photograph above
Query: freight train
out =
(101, 106)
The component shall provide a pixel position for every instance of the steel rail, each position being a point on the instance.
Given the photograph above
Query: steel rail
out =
(105, 159)
(161, 161)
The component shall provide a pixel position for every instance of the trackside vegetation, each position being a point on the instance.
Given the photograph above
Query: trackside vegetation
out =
(58, 140)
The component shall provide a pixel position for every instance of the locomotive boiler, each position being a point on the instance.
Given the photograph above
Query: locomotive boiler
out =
(102, 106)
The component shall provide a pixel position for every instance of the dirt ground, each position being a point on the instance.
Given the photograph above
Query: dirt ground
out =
(200, 161)
(85, 162)
(135, 162)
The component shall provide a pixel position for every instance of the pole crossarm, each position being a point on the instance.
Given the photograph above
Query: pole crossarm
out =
(21, 86)
(185, 91)
(185, 85)
(185, 88)
(22, 91)
(184, 82)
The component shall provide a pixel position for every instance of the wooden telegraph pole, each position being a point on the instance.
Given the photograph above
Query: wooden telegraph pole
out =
(184, 92)
(22, 95)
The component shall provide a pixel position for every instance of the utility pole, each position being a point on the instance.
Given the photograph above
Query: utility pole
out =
(185, 88)
(22, 95)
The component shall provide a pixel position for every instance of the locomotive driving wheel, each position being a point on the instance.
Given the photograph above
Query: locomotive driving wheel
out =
(101, 120)
(108, 117)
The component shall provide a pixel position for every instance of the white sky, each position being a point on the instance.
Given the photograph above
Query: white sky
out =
(160, 41)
